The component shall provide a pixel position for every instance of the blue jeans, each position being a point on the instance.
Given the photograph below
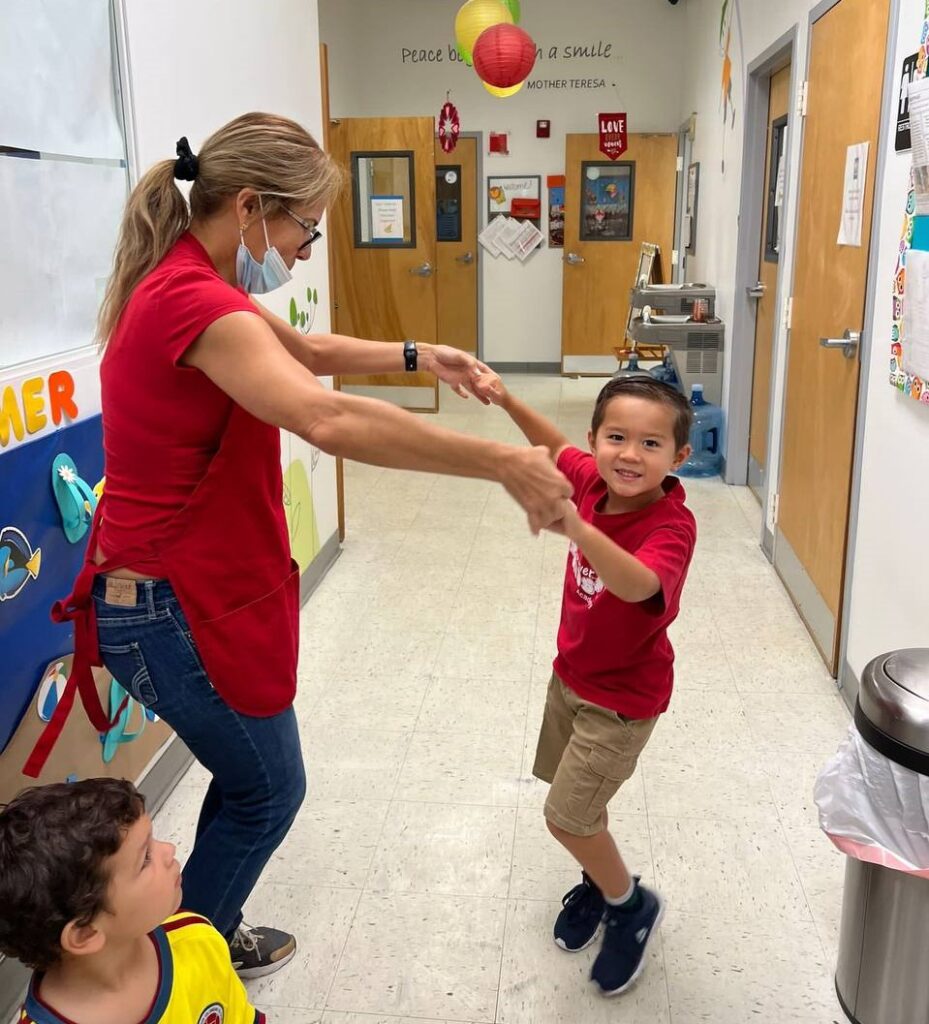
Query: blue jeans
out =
(258, 779)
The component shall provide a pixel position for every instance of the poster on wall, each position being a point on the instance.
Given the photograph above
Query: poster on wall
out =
(905, 370)
(902, 140)
(556, 187)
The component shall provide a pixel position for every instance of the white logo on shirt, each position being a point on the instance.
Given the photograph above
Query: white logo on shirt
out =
(214, 1014)
(586, 578)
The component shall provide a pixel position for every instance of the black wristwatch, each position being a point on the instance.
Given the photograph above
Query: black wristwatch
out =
(410, 356)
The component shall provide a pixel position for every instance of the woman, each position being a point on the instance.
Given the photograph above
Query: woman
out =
(189, 596)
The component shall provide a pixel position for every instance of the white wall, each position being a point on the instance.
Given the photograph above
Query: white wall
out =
(888, 602)
(195, 66)
(642, 76)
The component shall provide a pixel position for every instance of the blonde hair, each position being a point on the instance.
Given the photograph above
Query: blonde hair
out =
(275, 156)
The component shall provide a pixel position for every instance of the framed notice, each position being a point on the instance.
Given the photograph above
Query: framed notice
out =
(503, 189)
(386, 218)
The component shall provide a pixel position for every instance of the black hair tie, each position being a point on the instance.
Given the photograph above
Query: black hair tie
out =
(187, 165)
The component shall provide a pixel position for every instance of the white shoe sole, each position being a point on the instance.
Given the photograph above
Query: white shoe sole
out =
(251, 973)
(578, 949)
(635, 977)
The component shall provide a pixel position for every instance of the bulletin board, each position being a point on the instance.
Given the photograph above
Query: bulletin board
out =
(915, 238)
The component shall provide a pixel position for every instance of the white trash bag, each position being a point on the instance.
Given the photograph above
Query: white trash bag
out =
(873, 809)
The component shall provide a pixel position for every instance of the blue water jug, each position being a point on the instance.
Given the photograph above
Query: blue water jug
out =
(666, 373)
(705, 437)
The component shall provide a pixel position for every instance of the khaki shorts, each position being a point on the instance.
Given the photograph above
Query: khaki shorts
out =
(586, 752)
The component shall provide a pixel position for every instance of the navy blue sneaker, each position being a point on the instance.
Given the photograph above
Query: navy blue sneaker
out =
(577, 923)
(628, 932)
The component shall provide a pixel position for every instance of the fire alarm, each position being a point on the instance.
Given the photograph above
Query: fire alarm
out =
(543, 129)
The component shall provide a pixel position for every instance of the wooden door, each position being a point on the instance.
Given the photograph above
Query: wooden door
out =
(598, 275)
(383, 275)
(844, 104)
(457, 257)
(768, 260)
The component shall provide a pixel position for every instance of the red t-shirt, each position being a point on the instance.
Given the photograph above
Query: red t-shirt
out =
(612, 652)
(162, 421)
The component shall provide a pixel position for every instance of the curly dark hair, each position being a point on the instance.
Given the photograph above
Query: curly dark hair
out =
(644, 386)
(54, 841)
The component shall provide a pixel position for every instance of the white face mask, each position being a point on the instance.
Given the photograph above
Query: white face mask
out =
(258, 278)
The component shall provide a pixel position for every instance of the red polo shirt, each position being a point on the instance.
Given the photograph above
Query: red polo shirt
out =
(162, 421)
(612, 652)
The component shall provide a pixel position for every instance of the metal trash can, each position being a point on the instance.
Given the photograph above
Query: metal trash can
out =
(882, 976)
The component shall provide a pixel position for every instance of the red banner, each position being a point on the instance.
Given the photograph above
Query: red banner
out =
(613, 135)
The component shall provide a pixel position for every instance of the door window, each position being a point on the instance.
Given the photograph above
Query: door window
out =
(383, 200)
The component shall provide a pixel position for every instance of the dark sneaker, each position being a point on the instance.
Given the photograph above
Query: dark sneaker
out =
(256, 952)
(576, 926)
(628, 932)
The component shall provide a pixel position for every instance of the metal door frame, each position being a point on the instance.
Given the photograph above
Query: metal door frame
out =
(751, 220)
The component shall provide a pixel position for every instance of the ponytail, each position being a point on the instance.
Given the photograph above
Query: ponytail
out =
(156, 216)
(273, 155)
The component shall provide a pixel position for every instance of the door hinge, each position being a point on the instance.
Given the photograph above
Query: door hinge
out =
(675, 257)
(788, 312)
(775, 508)
(803, 98)
(680, 164)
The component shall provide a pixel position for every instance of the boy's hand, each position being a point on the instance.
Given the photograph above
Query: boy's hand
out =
(459, 370)
(570, 524)
(489, 388)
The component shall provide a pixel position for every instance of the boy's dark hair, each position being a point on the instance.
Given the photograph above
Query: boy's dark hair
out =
(53, 844)
(652, 390)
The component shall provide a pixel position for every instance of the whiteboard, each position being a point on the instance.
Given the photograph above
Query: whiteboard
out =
(60, 224)
(57, 78)
(63, 178)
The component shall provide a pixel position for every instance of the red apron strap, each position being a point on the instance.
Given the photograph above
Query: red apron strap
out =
(79, 609)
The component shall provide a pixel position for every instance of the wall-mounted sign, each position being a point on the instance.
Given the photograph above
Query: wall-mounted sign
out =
(613, 130)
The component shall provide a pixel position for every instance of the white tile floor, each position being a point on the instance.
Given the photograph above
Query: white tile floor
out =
(420, 879)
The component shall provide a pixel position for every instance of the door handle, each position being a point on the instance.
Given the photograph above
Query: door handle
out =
(574, 259)
(467, 258)
(848, 343)
(423, 270)
(757, 290)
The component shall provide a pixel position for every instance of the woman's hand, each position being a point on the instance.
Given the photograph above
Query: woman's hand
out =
(459, 370)
(531, 478)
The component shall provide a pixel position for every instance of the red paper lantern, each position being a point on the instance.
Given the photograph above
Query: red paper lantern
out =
(503, 55)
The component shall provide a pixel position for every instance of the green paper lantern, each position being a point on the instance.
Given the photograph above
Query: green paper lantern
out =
(513, 7)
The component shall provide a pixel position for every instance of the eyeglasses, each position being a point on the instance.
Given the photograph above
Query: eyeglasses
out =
(314, 234)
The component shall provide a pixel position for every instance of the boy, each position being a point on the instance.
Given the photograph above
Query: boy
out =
(84, 889)
(632, 539)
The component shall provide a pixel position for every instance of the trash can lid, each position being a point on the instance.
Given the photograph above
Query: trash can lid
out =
(893, 702)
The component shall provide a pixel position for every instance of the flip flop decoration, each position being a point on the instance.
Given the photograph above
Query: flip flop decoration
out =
(120, 733)
(50, 690)
(76, 501)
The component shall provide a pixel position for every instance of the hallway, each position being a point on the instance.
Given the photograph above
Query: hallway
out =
(420, 879)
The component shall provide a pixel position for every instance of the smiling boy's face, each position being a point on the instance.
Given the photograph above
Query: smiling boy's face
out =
(145, 884)
(634, 448)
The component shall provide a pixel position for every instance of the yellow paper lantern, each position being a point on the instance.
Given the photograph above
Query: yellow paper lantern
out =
(475, 16)
(503, 93)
